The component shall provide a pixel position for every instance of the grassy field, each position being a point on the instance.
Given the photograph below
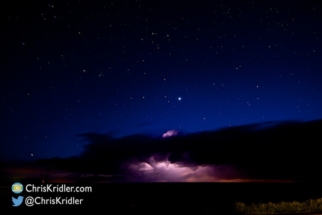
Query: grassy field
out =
(311, 205)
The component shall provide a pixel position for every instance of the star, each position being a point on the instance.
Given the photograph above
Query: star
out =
(179, 98)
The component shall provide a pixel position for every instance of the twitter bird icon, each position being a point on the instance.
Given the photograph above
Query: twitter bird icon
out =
(17, 201)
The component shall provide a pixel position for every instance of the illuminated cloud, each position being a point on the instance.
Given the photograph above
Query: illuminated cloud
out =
(170, 133)
(165, 171)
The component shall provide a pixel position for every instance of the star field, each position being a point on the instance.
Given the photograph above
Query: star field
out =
(133, 67)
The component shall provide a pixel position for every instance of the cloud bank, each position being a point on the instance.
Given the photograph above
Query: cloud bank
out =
(273, 151)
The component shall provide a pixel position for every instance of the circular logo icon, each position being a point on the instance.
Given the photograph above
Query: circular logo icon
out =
(17, 187)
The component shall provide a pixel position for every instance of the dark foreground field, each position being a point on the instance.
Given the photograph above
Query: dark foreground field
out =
(171, 198)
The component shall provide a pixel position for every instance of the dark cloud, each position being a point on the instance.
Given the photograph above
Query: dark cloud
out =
(279, 151)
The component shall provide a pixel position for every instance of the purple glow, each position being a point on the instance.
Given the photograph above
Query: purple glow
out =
(165, 171)
(170, 133)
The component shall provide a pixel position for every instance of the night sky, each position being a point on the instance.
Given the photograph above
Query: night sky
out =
(120, 68)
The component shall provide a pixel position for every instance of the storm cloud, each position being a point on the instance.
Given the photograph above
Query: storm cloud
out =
(287, 150)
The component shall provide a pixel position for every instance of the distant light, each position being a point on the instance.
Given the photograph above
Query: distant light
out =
(170, 133)
(179, 98)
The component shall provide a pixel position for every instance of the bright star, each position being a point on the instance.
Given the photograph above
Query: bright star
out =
(179, 98)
